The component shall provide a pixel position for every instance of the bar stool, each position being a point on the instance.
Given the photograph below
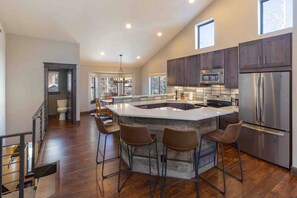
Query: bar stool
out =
(180, 141)
(107, 130)
(227, 137)
(137, 136)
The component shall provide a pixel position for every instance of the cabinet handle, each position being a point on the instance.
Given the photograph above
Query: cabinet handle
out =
(259, 60)
(264, 61)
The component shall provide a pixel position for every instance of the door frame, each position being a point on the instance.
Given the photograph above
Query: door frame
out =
(57, 66)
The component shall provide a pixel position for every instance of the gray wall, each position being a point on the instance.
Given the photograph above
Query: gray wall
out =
(2, 81)
(53, 97)
(25, 76)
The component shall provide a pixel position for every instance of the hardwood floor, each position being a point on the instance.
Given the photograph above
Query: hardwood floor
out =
(75, 147)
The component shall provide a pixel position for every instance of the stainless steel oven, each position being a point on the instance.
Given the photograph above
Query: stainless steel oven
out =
(213, 76)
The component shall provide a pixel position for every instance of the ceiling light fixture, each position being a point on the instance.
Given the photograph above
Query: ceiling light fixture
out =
(121, 75)
(138, 57)
(102, 53)
(191, 1)
(128, 26)
(159, 34)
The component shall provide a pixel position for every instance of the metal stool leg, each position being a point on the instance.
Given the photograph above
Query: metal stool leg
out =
(240, 163)
(157, 158)
(196, 173)
(98, 147)
(120, 161)
(150, 171)
(223, 168)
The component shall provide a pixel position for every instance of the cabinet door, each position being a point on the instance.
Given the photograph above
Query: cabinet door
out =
(192, 71)
(206, 61)
(231, 68)
(250, 54)
(180, 71)
(277, 51)
(171, 72)
(218, 60)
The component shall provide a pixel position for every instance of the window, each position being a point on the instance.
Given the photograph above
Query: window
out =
(109, 88)
(205, 34)
(158, 84)
(275, 15)
(53, 82)
(93, 89)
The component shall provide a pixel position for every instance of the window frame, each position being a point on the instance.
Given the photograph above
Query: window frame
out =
(197, 32)
(59, 82)
(261, 18)
(93, 78)
(159, 77)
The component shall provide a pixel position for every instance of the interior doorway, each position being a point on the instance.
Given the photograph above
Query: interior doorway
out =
(60, 91)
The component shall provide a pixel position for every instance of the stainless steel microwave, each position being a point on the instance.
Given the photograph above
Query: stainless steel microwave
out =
(213, 76)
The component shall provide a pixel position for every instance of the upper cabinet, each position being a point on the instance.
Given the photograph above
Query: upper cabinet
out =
(171, 72)
(268, 54)
(277, 51)
(231, 68)
(184, 71)
(212, 60)
(192, 71)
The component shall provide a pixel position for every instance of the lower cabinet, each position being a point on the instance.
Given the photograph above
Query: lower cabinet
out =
(228, 119)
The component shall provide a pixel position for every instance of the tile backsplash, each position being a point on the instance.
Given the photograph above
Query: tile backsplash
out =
(202, 93)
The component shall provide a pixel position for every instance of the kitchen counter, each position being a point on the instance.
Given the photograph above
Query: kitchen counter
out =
(234, 109)
(130, 110)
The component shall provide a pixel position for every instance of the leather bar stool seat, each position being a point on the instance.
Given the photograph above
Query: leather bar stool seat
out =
(180, 141)
(137, 136)
(227, 137)
(107, 130)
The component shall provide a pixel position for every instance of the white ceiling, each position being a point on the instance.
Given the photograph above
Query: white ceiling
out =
(99, 25)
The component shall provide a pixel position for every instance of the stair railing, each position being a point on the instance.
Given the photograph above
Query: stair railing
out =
(21, 171)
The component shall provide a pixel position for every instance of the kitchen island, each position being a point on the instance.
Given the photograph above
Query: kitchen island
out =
(157, 115)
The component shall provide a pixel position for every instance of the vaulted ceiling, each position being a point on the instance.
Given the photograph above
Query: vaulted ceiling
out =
(99, 25)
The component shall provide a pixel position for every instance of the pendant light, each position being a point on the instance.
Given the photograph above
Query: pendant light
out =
(121, 75)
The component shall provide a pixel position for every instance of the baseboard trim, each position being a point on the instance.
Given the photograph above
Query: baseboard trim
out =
(294, 171)
(77, 122)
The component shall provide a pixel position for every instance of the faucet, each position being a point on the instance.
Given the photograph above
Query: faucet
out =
(176, 94)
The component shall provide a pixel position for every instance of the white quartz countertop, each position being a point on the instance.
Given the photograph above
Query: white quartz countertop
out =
(231, 108)
(129, 110)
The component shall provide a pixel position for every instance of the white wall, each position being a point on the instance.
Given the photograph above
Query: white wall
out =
(25, 76)
(295, 86)
(87, 71)
(2, 81)
(236, 21)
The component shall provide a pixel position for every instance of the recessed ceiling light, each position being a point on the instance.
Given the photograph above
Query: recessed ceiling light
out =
(138, 57)
(191, 1)
(159, 34)
(128, 26)
(102, 53)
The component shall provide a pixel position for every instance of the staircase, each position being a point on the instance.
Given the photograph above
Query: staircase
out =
(22, 175)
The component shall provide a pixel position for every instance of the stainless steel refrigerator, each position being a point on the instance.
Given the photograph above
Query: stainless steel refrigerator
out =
(265, 108)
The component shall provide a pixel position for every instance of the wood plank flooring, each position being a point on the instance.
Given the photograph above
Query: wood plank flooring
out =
(75, 147)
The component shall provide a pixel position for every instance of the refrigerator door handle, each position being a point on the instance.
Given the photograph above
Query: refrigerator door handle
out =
(262, 101)
(260, 129)
(257, 100)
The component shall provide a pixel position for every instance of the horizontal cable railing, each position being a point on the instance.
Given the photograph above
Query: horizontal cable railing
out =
(39, 125)
(21, 146)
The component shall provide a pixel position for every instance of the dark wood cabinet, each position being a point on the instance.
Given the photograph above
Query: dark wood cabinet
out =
(277, 51)
(180, 71)
(269, 54)
(171, 72)
(231, 68)
(192, 71)
(218, 59)
(250, 55)
(212, 60)
(228, 119)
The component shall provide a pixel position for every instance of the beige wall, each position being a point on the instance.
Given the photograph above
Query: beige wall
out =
(295, 86)
(2, 81)
(25, 76)
(235, 22)
(87, 71)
